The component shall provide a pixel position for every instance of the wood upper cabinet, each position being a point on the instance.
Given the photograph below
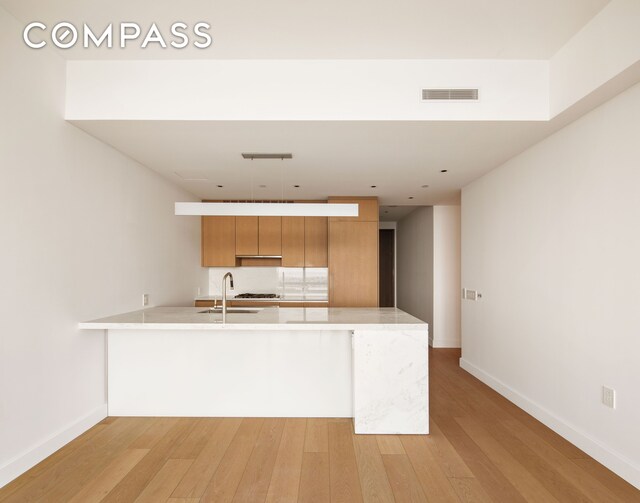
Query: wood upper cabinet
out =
(353, 264)
(218, 241)
(316, 230)
(367, 209)
(269, 235)
(246, 235)
(258, 236)
(293, 245)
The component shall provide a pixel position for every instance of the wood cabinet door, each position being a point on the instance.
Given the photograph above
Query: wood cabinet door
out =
(293, 242)
(353, 264)
(246, 235)
(218, 241)
(316, 231)
(269, 235)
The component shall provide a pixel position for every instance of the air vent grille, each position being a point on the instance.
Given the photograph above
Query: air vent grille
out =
(449, 94)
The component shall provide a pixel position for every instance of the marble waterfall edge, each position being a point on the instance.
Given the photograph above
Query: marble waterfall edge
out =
(391, 381)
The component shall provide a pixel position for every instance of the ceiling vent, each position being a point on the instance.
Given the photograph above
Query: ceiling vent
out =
(449, 95)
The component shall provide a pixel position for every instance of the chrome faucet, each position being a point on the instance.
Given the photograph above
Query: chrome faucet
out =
(224, 294)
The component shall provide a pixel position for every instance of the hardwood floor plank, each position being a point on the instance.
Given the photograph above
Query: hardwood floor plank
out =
(226, 478)
(490, 477)
(404, 483)
(617, 485)
(343, 471)
(195, 481)
(137, 479)
(373, 477)
(257, 474)
(317, 436)
(197, 439)
(448, 458)
(477, 387)
(481, 448)
(48, 463)
(389, 444)
(106, 480)
(522, 480)
(285, 481)
(435, 484)
(539, 467)
(66, 478)
(315, 484)
(165, 481)
(592, 488)
(154, 433)
(469, 490)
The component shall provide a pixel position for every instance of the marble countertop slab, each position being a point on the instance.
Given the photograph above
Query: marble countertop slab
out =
(268, 318)
(279, 299)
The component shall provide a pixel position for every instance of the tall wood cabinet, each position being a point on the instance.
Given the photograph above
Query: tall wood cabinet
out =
(316, 241)
(293, 249)
(353, 256)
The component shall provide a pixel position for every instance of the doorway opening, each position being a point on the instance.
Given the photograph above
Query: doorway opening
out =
(387, 268)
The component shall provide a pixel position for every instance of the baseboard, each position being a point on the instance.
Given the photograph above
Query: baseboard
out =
(616, 462)
(445, 343)
(28, 459)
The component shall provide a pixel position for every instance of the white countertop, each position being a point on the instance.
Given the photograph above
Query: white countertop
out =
(269, 318)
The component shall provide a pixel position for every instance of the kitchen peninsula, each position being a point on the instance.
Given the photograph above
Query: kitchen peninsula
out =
(367, 363)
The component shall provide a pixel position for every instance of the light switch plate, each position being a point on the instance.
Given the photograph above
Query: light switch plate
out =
(145, 299)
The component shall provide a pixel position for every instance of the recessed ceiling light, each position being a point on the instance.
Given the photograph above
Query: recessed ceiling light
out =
(219, 186)
(443, 170)
(424, 186)
(410, 197)
(262, 186)
(373, 186)
(297, 186)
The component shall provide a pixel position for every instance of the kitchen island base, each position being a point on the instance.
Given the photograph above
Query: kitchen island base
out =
(369, 364)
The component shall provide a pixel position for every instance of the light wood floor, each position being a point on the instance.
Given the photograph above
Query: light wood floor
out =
(482, 448)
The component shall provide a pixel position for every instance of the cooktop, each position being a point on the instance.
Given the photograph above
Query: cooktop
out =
(257, 296)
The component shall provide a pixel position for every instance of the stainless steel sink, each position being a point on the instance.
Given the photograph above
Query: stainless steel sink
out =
(230, 310)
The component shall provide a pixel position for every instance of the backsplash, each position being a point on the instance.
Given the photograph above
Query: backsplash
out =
(310, 283)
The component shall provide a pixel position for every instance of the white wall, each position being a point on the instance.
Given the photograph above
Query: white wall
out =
(603, 48)
(551, 239)
(85, 232)
(446, 276)
(414, 265)
(428, 271)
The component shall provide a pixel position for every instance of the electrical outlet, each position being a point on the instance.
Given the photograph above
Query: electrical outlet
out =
(609, 397)
(145, 299)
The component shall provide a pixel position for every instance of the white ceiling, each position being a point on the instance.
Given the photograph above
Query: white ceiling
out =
(395, 213)
(341, 29)
(329, 158)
